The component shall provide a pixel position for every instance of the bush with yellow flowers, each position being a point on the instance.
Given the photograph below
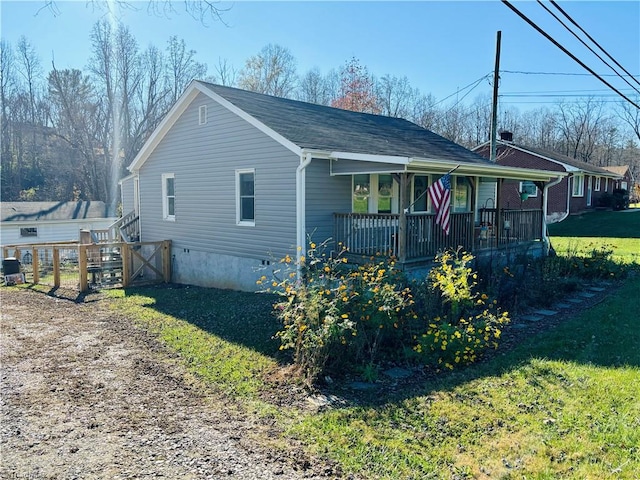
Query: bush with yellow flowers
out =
(337, 313)
(461, 323)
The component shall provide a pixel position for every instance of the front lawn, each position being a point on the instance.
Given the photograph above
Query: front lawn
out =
(561, 405)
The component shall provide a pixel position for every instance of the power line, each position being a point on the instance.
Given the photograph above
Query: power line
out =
(591, 38)
(474, 83)
(585, 44)
(520, 72)
(576, 59)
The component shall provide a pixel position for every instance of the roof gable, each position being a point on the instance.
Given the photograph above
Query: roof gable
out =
(300, 125)
(52, 211)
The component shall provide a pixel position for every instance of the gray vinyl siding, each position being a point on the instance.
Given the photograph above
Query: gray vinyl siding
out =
(126, 191)
(324, 196)
(204, 159)
(343, 167)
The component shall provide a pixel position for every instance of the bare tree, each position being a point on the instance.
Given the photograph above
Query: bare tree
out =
(181, 67)
(225, 73)
(630, 115)
(272, 71)
(395, 96)
(317, 88)
(203, 11)
(580, 125)
(424, 112)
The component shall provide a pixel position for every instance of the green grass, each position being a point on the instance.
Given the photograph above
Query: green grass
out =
(564, 404)
(581, 234)
(608, 224)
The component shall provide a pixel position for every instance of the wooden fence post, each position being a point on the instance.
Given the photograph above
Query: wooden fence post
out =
(166, 260)
(82, 265)
(56, 267)
(125, 255)
(35, 266)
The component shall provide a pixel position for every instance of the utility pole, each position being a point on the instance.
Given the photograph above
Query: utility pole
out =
(494, 106)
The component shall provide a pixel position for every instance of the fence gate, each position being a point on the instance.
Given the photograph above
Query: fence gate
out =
(124, 263)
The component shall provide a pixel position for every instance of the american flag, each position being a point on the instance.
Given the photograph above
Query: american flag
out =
(440, 195)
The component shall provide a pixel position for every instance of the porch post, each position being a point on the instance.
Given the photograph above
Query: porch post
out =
(498, 220)
(404, 179)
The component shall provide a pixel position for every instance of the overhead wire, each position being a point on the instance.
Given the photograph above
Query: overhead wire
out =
(457, 92)
(567, 52)
(520, 72)
(585, 44)
(555, 4)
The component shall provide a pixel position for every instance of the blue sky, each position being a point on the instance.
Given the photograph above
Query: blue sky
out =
(439, 46)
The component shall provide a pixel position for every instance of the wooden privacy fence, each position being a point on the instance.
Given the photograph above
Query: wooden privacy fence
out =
(96, 265)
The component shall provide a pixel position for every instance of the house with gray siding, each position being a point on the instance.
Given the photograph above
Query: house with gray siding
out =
(237, 180)
(27, 223)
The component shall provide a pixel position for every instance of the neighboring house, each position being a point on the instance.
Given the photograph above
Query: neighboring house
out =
(580, 190)
(237, 180)
(25, 223)
(626, 180)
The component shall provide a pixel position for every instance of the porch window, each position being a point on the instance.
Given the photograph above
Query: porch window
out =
(361, 193)
(529, 188)
(461, 194)
(596, 187)
(624, 185)
(168, 197)
(29, 232)
(578, 186)
(374, 193)
(385, 193)
(420, 197)
(245, 197)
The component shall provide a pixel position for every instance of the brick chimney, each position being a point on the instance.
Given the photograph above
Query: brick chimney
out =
(506, 136)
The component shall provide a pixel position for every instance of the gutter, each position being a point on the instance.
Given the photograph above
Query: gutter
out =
(301, 241)
(545, 196)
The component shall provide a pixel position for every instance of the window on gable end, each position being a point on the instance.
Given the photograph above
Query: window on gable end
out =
(202, 115)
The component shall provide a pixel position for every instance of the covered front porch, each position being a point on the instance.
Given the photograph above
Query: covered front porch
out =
(392, 214)
(416, 237)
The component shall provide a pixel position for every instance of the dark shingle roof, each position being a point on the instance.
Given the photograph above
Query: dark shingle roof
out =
(43, 211)
(331, 129)
(584, 166)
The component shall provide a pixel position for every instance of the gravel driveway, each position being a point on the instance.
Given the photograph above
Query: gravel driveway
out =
(85, 395)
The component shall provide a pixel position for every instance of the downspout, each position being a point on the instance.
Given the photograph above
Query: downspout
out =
(545, 198)
(301, 241)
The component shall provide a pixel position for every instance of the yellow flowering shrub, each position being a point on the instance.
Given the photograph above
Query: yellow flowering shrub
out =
(461, 323)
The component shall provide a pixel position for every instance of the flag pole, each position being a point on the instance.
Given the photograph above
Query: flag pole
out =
(406, 210)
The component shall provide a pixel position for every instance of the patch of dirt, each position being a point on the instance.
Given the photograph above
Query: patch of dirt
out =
(86, 395)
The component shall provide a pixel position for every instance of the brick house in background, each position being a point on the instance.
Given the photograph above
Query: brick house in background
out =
(580, 190)
(626, 181)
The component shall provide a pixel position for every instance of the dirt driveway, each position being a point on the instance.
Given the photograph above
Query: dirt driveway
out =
(84, 395)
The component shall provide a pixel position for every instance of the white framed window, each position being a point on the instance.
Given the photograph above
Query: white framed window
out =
(374, 193)
(29, 232)
(624, 185)
(596, 185)
(202, 115)
(168, 197)
(529, 188)
(246, 197)
(578, 186)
